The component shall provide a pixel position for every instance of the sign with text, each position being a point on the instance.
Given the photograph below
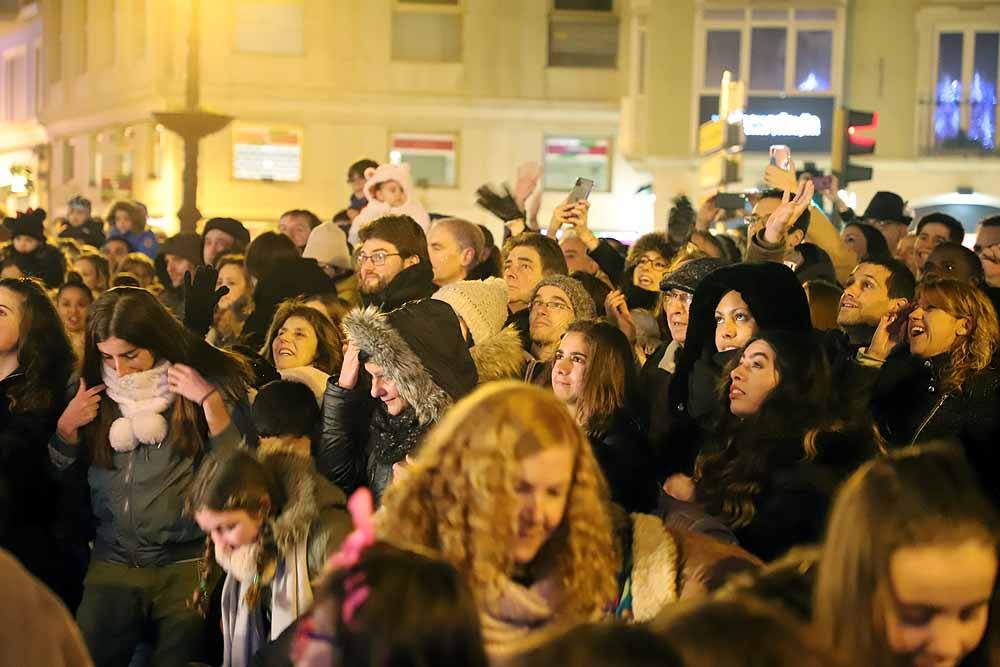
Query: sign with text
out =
(263, 153)
(804, 124)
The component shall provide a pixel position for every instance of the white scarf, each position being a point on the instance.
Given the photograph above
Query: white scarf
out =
(291, 596)
(141, 397)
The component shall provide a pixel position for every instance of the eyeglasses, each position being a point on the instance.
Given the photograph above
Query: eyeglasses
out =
(680, 296)
(377, 257)
(657, 264)
(550, 305)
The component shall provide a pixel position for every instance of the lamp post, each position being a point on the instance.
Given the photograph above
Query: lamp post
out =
(191, 124)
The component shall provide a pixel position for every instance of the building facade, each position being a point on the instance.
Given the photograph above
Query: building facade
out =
(465, 90)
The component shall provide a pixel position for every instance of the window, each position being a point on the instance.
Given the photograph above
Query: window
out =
(757, 45)
(431, 158)
(15, 86)
(427, 31)
(567, 158)
(965, 90)
(583, 33)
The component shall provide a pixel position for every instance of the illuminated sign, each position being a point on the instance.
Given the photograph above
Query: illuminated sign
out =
(804, 124)
(264, 153)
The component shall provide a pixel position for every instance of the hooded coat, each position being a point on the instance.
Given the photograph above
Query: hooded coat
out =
(776, 301)
(421, 349)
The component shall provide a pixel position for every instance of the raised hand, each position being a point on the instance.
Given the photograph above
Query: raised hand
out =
(777, 226)
(781, 179)
(351, 368)
(200, 298)
(616, 307)
(80, 411)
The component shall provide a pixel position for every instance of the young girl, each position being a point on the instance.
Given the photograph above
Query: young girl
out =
(128, 222)
(389, 190)
(152, 399)
(908, 570)
(95, 270)
(72, 301)
(232, 310)
(303, 345)
(271, 522)
(35, 364)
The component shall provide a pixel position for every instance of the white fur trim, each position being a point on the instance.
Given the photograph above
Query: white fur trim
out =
(121, 437)
(654, 567)
(141, 397)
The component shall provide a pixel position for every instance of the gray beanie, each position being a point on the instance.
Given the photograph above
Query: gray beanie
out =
(583, 305)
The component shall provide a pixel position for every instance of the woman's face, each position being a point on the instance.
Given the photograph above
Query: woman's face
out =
(125, 358)
(11, 312)
(229, 529)
(88, 272)
(123, 223)
(569, 368)
(734, 323)
(295, 345)
(649, 271)
(72, 305)
(234, 278)
(933, 330)
(753, 379)
(854, 239)
(543, 485)
(940, 601)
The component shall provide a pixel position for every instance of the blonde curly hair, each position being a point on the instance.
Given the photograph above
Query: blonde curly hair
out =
(459, 497)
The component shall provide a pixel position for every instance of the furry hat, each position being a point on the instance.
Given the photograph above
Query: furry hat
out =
(388, 172)
(583, 305)
(419, 347)
(230, 226)
(327, 244)
(482, 305)
(653, 241)
(27, 223)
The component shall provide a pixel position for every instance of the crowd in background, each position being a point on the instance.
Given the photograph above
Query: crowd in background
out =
(393, 439)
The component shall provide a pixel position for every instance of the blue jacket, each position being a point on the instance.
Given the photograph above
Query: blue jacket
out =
(144, 241)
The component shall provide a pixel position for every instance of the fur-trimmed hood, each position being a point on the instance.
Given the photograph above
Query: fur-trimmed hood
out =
(419, 347)
(499, 357)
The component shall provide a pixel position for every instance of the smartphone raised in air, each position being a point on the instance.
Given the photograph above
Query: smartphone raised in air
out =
(581, 189)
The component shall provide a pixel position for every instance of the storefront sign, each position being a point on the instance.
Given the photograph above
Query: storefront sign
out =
(804, 124)
(262, 153)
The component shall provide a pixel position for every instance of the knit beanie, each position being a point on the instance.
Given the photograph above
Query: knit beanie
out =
(81, 203)
(27, 223)
(482, 305)
(230, 226)
(583, 305)
(327, 244)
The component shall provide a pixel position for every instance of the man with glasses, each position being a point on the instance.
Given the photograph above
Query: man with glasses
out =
(392, 264)
(557, 302)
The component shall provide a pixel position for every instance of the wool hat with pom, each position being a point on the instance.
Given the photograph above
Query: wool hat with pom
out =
(388, 172)
(327, 244)
(482, 305)
(583, 305)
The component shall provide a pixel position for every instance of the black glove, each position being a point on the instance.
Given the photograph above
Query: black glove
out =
(201, 298)
(502, 206)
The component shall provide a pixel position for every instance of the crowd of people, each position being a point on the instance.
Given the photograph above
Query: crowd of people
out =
(759, 437)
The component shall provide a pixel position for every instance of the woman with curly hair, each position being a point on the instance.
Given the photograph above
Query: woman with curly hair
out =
(36, 361)
(507, 490)
(782, 446)
(304, 346)
(947, 383)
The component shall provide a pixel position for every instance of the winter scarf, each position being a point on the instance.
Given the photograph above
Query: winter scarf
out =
(398, 436)
(142, 398)
(520, 619)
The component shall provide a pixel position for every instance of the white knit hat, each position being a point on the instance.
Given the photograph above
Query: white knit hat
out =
(327, 244)
(482, 305)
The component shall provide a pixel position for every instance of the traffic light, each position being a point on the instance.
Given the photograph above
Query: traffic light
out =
(853, 134)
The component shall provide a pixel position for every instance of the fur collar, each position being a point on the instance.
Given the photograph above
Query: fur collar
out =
(655, 568)
(370, 330)
(499, 357)
(296, 474)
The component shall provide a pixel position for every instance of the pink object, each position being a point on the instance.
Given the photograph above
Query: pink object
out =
(356, 591)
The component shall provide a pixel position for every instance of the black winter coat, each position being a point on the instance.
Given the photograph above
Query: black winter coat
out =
(46, 263)
(89, 233)
(411, 284)
(909, 407)
(623, 454)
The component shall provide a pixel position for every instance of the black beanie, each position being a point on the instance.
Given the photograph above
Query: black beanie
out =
(28, 223)
(187, 246)
(230, 226)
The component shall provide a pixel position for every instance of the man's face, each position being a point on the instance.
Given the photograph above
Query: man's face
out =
(378, 263)
(385, 390)
(929, 237)
(948, 263)
(761, 211)
(865, 300)
(577, 259)
(450, 262)
(177, 266)
(551, 314)
(987, 238)
(216, 243)
(522, 270)
(295, 227)
(357, 183)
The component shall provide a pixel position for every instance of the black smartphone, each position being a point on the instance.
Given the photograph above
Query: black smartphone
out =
(581, 189)
(731, 201)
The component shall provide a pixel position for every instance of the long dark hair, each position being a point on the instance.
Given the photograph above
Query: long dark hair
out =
(44, 353)
(134, 315)
(800, 406)
(609, 381)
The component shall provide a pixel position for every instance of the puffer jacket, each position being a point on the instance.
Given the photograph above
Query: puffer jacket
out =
(138, 504)
(89, 233)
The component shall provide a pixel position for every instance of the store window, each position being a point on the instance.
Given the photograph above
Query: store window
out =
(431, 158)
(583, 33)
(427, 31)
(567, 158)
(965, 90)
